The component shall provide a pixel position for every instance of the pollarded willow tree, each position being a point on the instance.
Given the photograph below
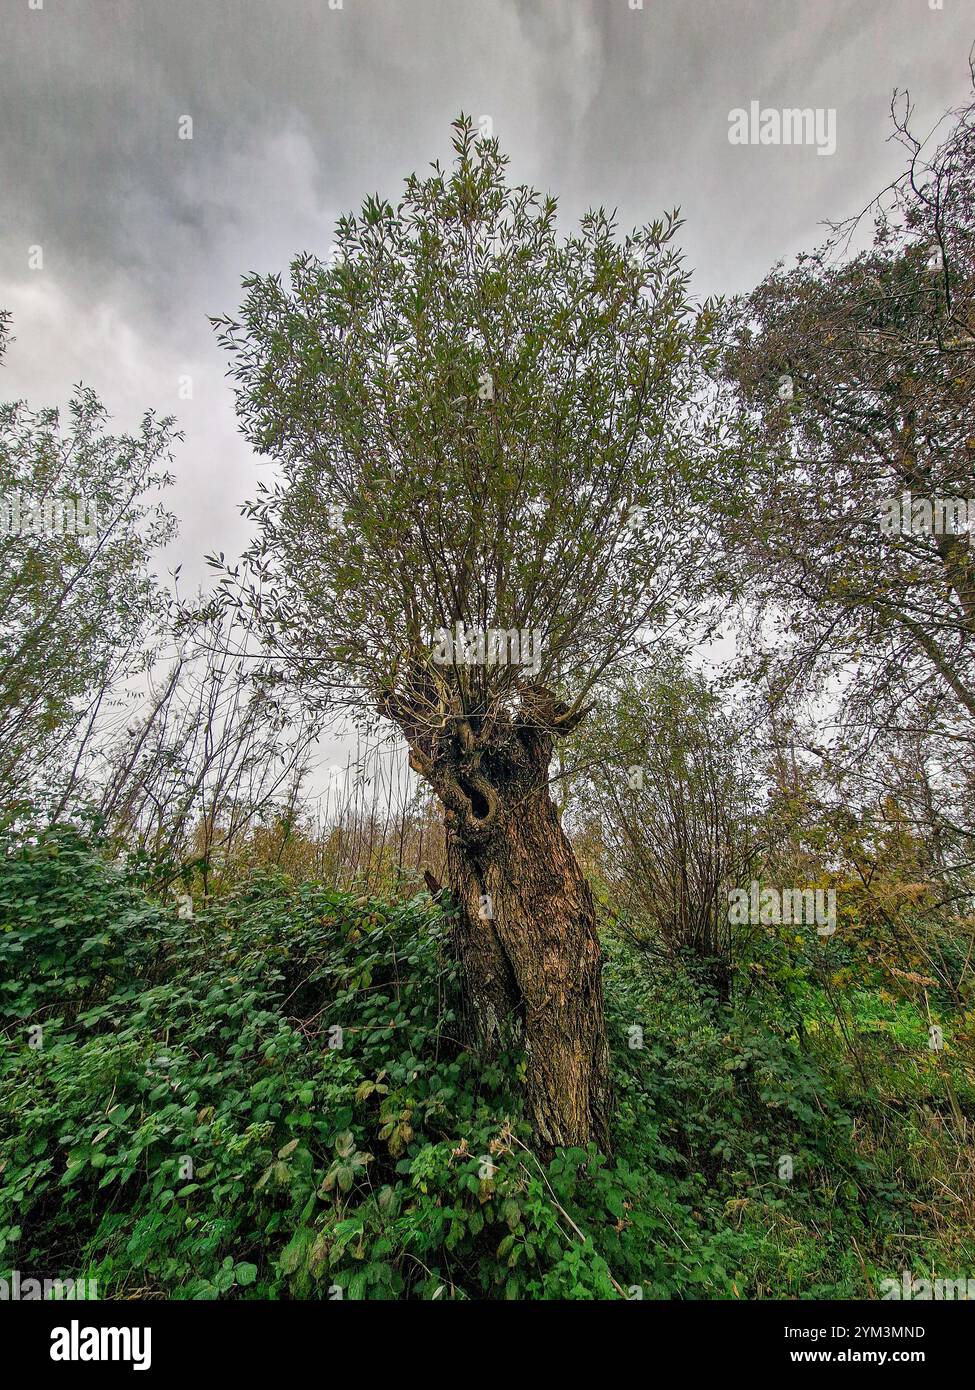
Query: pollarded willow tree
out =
(489, 497)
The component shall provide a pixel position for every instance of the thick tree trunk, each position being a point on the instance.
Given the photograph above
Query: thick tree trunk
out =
(529, 952)
(530, 958)
(526, 932)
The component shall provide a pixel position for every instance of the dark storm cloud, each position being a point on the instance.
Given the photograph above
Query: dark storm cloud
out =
(300, 110)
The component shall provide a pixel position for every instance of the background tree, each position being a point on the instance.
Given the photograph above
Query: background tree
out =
(77, 596)
(856, 373)
(217, 746)
(673, 796)
(479, 423)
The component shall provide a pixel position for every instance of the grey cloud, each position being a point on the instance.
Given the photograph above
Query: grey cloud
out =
(300, 110)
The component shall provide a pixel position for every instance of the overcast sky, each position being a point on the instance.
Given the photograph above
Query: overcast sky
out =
(299, 110)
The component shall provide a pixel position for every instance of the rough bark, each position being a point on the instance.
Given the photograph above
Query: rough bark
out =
(529, 952)
(526, 931)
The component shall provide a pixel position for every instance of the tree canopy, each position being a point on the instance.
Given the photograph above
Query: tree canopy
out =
(476, 422)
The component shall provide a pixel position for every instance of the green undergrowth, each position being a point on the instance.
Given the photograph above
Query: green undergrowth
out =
(270, 1100)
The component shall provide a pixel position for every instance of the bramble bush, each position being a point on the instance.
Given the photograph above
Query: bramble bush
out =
(270, 1100)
